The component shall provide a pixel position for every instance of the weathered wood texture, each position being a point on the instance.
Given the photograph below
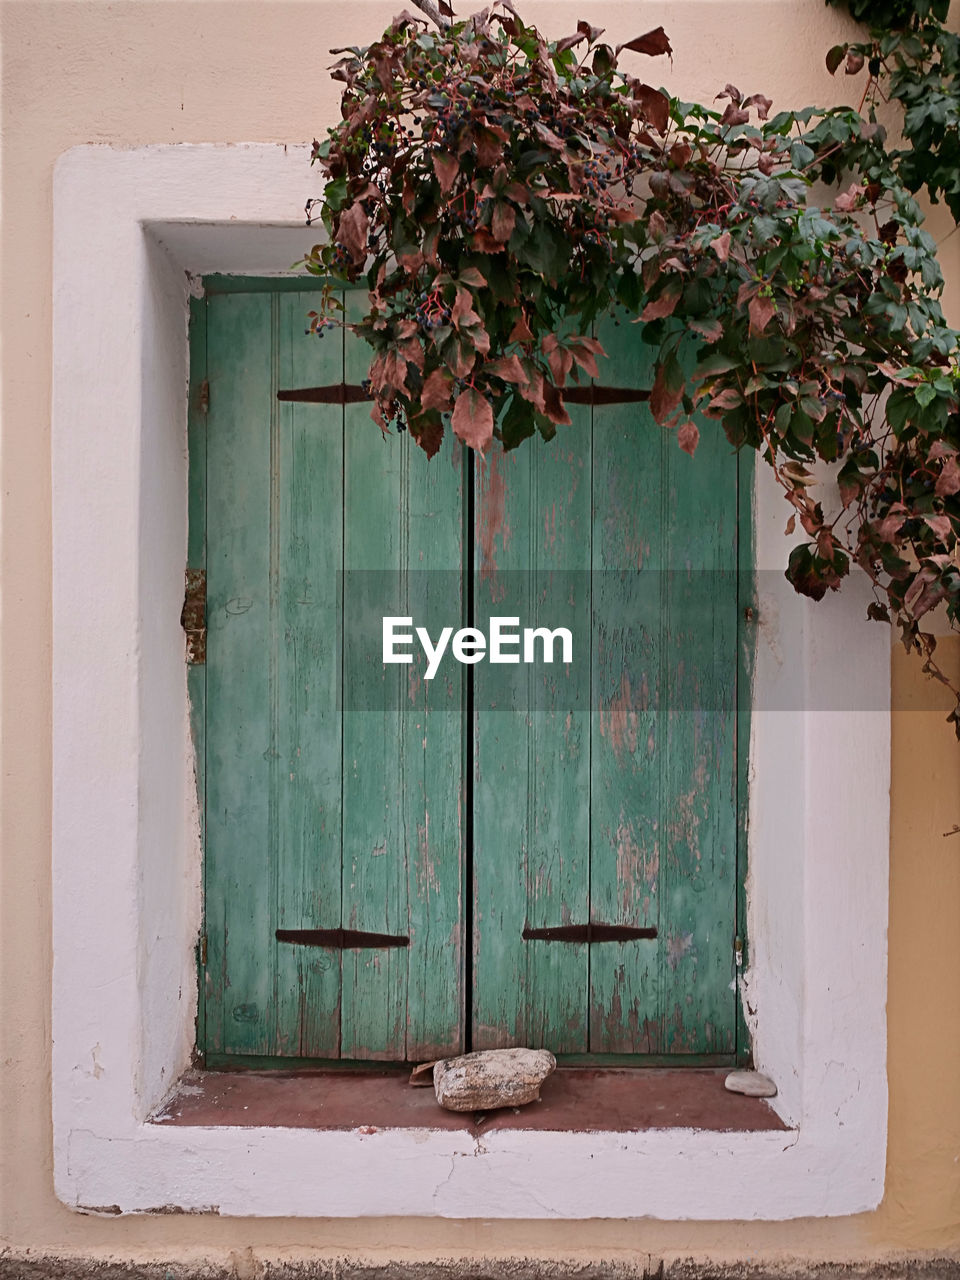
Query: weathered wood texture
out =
(612, 797)
(532, 748)
(334, 803)
(335, 787)
(403, 830)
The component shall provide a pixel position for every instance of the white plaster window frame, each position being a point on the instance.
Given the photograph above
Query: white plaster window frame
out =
(131, 227)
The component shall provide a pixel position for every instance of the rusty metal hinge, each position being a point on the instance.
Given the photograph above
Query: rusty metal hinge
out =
(587, 933)
(341, 939)
(353, 393)
(203, 397)
(335, 393)
(203, 950)
(193, 616)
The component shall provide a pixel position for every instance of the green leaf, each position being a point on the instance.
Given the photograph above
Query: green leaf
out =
(900, 408)
(335, 194)
(801, 427)
(925, 394)
(715, 364)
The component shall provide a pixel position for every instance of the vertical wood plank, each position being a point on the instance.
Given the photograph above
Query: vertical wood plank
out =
(402, 785)
(531, 807)
(502, 821)
(374, 996)
(241, 896)
(434, 740)
(309, 729)
(699, 884)
(625, 786)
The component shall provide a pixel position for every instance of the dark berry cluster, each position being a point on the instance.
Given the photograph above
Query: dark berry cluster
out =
(319, 325)
(472, 218)
(596, 178)
(449, 121)
(594, 239)
(340, 257)
(469, 210)
(432, 311)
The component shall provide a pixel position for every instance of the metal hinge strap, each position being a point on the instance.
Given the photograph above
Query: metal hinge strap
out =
(588, 933)
(193, 616)
(352, 393)
(341, 939)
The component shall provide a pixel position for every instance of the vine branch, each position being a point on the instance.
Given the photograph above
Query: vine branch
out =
(432, 11)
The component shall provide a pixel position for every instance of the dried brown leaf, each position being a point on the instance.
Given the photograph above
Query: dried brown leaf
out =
(948, 482)
(942, 526)
(508, 368)
(521, 331)
(352, 231)
(437, 391)
(554, 406)
(473, 419)
(688, 437)
(762, 104)
(503, 221)
(446, 167)
(761, 310)
(664, 399)
(665, 305)
(655, 106)
(654, 43)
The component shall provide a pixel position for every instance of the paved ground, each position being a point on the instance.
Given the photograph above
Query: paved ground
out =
(245, 1266)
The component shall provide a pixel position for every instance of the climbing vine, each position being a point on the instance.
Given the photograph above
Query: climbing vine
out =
(912, 59)
(497, 192)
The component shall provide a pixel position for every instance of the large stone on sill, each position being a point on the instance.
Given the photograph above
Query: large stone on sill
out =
(492, 1078)
(752, 1083)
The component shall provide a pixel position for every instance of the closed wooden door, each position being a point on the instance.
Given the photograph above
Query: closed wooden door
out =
(419, 829)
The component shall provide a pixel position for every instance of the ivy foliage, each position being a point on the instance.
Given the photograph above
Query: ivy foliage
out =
(912, 59)
(497, 191)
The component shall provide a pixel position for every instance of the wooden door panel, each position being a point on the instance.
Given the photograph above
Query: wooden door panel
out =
(610, 799)
(306, 769)
(627, 652)
(699, 804)
(241, 847)
(333, 803)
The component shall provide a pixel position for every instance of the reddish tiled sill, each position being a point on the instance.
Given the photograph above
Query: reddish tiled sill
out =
(573, 1099)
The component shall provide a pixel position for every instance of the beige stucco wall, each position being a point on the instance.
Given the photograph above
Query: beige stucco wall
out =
(217, 71)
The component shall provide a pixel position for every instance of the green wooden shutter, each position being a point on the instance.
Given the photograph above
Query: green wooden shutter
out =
(338, 793)
(331, 803)
(614, 802)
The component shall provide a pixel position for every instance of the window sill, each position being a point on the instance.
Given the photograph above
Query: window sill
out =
(573, 1100)
(661, 1142)
(133, 225)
